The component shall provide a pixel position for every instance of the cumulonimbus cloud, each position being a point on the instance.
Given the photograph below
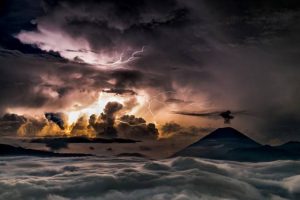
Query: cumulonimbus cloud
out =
(209, 53)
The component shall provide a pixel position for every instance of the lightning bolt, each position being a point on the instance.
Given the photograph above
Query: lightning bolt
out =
(154, 98)
(119, 61)
(132, 125)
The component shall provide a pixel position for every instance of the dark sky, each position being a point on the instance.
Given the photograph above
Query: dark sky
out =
(190, 54)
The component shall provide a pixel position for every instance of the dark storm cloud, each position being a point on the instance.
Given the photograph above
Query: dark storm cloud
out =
(234, 54)
(57, 118)
(127, 78)
(111, 24)
(124, 80)
(257, 21)
(110, 109)
(171, 127)
(16, 15)
(10, 123)
(136, 128)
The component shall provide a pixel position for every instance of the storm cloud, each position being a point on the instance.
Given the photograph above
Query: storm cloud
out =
(136, 127)
(214, 55)
(10, 123)
(104, 125)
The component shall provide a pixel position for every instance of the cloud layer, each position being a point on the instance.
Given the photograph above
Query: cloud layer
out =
(136, 178)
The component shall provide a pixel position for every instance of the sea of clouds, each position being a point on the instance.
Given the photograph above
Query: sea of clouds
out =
(180, 178)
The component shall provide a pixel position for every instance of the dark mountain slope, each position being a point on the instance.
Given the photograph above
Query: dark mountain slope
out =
(218, 143)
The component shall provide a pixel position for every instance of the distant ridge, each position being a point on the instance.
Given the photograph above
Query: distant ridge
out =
(82, 139)
(230, 144)
(8, 150)
(131, 155)
(292, 146)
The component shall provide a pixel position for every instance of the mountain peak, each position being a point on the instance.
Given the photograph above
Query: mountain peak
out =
(227, 136)
(226, 132)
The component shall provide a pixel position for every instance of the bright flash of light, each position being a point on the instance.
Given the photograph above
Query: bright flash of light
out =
(98, 106)
(101, 60)
(121, 59)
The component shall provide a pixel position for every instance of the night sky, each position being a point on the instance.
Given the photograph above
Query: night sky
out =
(122, 68)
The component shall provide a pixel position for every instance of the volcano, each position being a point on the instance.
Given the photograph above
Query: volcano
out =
(218, 143)
(230, 144)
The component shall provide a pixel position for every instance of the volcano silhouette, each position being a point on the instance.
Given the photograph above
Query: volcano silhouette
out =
(230, 144)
